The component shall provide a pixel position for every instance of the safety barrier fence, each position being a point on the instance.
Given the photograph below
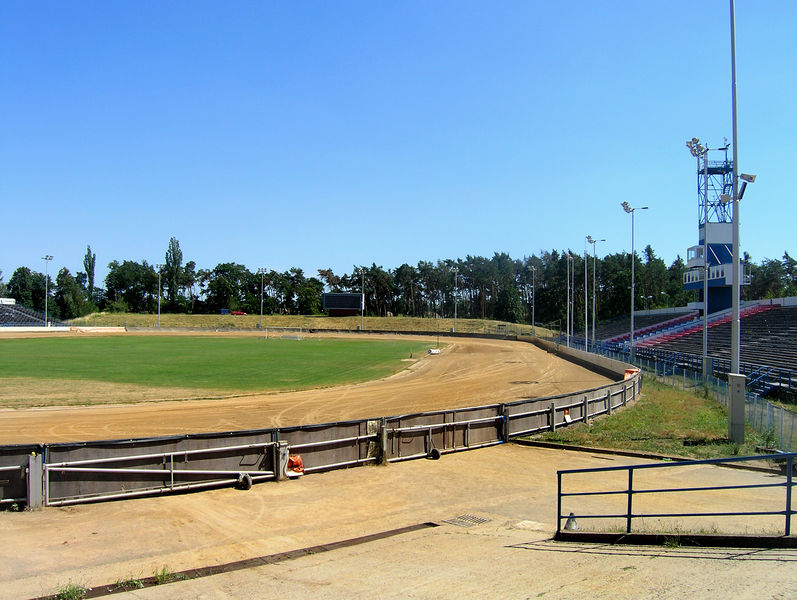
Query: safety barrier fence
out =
(629, 490)
(70, 473)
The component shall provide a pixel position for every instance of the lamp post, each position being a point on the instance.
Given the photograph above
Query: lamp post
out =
(630, 210)
(262, 273)
(666, 298)
(594, 242)
(533, 296)
(586, 300)
(362, 300)
(159, 267)
(569, 306)
(46, 258)
(456, 293)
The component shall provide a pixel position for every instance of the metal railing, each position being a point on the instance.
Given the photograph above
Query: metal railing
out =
(787, 462)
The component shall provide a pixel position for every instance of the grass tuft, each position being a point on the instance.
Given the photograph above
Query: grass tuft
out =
(71, 591)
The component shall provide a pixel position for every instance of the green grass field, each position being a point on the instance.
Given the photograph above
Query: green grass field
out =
(207, 362)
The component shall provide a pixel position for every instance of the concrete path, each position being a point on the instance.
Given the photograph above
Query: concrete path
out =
(510, 488)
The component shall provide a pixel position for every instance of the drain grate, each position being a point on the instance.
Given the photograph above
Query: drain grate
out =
(466, 521)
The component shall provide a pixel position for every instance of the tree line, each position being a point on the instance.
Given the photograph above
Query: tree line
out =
(499, 287)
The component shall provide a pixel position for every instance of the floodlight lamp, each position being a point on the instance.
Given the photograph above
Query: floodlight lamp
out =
(725, 198)
(748, 178)
(627, 207)
(590, 240)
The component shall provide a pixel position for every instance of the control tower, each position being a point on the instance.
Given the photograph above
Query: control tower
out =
(712, 258)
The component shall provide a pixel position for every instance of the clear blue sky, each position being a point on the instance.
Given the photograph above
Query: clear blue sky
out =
(329, 134)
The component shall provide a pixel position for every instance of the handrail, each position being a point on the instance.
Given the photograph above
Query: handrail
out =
(630, 491)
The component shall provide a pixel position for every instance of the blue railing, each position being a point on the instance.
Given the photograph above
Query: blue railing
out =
(785, 460)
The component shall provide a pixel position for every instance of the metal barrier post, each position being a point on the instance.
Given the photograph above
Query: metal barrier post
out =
(586, 409)
(553, 416)
(558, 501)
(504, 412)
(609, 401)
(630, 501)
(789, 472)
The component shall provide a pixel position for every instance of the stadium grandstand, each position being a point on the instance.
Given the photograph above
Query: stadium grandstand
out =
(16, 315)
(768, 339)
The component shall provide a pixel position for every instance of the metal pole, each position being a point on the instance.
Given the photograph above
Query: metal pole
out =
(705, 262)
(533, 296)
(586, 301)
(456, 272)
(159, 296)
(736, 283)
(594, 277)
(633, 286)
(568, 300)
(362, 305)
(47, 258)
(262, 271)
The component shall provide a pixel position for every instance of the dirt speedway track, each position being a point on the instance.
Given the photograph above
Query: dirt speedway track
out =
(468, 372)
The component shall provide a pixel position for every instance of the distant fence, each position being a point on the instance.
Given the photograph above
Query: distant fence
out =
(70, 473)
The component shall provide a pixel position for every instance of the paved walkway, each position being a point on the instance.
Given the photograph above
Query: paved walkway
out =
(511, 488)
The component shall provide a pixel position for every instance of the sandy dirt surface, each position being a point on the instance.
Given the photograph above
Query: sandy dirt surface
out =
(468, 372)
(509, 555)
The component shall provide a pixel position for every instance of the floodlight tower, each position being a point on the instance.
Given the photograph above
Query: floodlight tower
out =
(710, 264)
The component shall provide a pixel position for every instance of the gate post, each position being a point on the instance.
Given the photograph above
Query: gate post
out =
(609, 401)
(35, 481)
(553, 416)
(585, 410)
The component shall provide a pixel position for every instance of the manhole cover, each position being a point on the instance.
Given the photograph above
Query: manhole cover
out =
(466, 521)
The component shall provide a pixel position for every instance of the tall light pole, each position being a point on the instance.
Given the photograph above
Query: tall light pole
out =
(362, 301)
(262, 273)
(533, 296)
(630, 210)
(586, 300)
(699, 151)
(736, 283)
(159, 267)
(594, 242)
(569, 260)
(46, 258)
(456, 273)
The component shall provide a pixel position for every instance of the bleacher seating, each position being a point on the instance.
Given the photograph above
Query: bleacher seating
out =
(768, 337)
(16, 315)
(618, 330)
